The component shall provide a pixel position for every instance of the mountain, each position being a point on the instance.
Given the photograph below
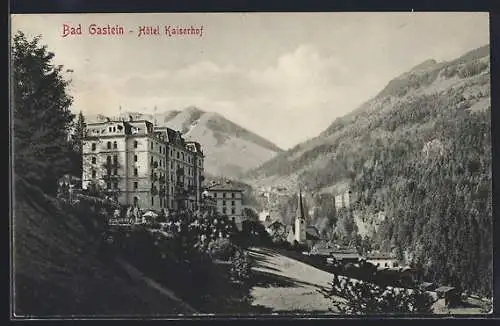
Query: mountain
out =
(462, 84)
(416, 159)
(229, 149)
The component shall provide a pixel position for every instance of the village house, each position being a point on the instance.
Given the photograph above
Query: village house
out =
(141, 165)
(275, 228)
(343, 256)
(382, 260)
(451, 295)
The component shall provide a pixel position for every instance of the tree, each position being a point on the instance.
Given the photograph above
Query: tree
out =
(361, 298)
(41, 115)
(78, 134)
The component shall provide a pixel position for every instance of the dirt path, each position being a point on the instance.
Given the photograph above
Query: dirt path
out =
(286, 284)
(134, 273)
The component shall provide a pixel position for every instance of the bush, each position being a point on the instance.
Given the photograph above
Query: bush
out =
(241, 267)
(367, 298)
(221, 249)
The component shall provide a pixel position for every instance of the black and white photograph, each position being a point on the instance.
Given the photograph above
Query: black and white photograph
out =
(321, 164)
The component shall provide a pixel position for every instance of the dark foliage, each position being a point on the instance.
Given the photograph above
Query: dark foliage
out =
(362, 298)
(41, 115)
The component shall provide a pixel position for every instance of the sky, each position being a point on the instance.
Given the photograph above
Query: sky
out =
(284, 76)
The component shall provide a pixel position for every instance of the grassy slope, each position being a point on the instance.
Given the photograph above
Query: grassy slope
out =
(58, 270)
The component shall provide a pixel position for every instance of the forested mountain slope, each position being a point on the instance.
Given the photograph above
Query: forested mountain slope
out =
(419, 156)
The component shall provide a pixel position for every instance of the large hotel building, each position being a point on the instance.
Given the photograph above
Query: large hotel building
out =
(143, 165)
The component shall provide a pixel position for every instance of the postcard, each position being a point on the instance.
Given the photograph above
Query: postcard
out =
(251, 164)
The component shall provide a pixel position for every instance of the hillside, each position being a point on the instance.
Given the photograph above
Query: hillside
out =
(60, 270)
(461, 85)
(418, 154)
(221, 140)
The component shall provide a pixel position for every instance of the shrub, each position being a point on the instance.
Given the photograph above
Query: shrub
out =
(221, 249)
(367, 298)
(241, 267)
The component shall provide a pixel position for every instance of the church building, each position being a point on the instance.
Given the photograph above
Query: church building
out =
(300, 233)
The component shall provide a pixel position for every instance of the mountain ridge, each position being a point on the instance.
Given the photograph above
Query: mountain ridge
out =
(427, 78)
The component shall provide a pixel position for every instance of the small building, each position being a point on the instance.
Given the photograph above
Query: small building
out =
(264, 216)
(344, 256)
(275, 228)
(67, 184)
(382, 260)
(451, 295)
(427, 286)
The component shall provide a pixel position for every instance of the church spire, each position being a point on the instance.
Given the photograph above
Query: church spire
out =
(300, 207)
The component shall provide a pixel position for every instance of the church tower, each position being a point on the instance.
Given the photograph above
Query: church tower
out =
(300, 222)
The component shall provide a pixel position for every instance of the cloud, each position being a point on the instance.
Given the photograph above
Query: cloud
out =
(302, 89)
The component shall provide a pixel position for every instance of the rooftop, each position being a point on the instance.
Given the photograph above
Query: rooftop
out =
(444, 289)
(380, 255)
(226, 186)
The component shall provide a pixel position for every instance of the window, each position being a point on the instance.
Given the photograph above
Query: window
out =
(108, 185)
(135, 143)
(135, 185)
(136, 201)
(232, 194)
(110, 129)
(115, 159)
(171, 165)
(94, 160)
(178, 155)
(152, 145)
(224, 203)
(233, 211)
(135, 158)
(109, 145)
(135, 172)
(152, 201)
(93, 173)
(171, 153)
(224, 210)
(232, 203)
(182, 156)
(93, 146)
(114, 129)
(108, 159)
(115, 144)
(115, 172)
(223, 195)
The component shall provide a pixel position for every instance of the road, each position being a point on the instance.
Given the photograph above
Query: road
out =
(287, 285)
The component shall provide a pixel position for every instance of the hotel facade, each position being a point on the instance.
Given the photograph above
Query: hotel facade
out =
(141, 165)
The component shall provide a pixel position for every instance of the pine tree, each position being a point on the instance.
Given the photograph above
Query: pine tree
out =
(41, 115)
(78, 134)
